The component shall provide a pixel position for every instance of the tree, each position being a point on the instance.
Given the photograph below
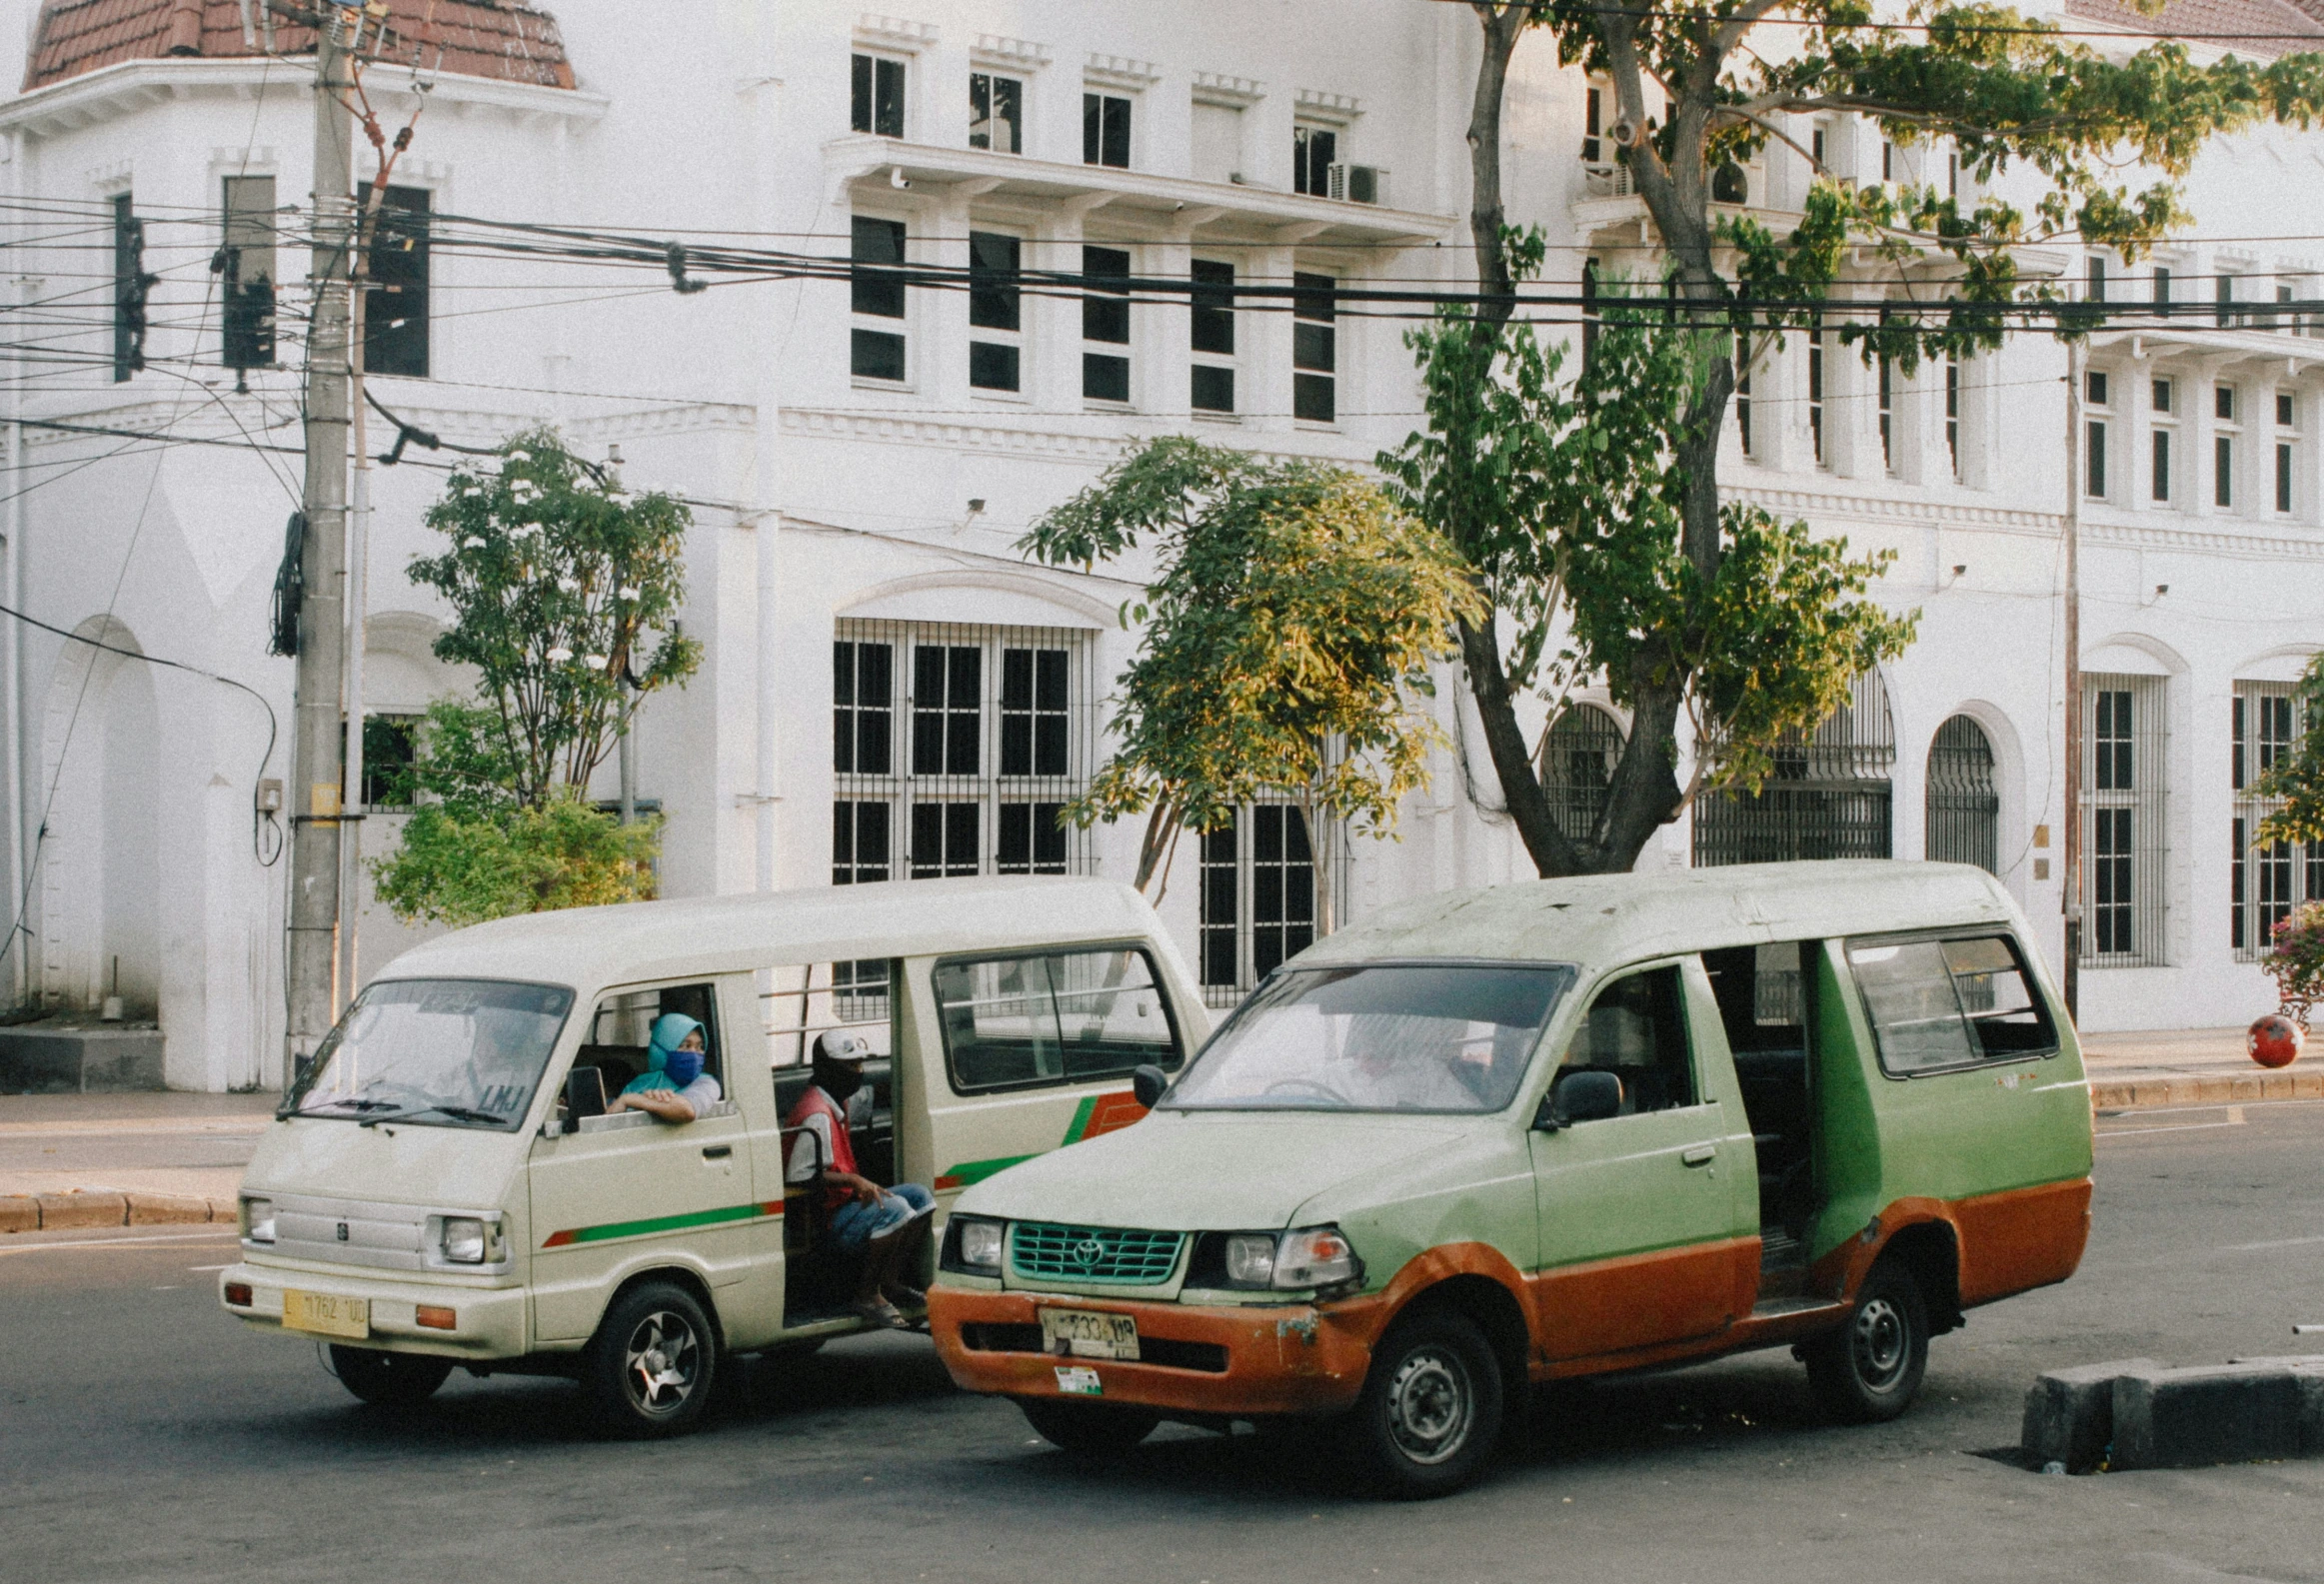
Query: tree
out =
(1295, 615)
(2298, 777)
(2000, 89)
(565, 590)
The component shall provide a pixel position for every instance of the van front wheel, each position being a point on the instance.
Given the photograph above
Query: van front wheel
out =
(653, 1361)
(1870, 1368)
(388, 1381)
(1431, 1412)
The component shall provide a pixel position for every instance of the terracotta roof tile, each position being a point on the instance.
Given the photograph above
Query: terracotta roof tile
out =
(2299, 18)
(506, 39)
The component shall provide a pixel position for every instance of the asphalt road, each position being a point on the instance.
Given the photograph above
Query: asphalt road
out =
(144, 1436)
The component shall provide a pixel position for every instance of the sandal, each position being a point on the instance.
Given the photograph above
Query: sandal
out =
(881, 1313)
(903, 1298)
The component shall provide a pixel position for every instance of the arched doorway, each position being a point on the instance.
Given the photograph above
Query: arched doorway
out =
(101, 857)
(1829, 796)
(1964, 804)
(1578, 756)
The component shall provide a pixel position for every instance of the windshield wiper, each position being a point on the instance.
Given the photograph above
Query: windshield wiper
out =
(459, 1113)
(351, 1102)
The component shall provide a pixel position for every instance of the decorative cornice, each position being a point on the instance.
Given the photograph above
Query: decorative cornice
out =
(114, 91)
(895, 32)
(1120, 71)
(993, 50)
(1325, 106)
(2260, 547)
(904, 430)
(1882, 509)
(1221, 88)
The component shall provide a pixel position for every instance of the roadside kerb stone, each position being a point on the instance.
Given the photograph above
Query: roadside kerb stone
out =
(167, 1209)
(19, 1212)
(2069, 1413)
(2238, 1088)
(2193, 1418)
(79, 1211)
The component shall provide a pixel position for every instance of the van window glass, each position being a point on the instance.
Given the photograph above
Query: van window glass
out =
(1051, 1018)
(1381, 1037)
(444, 1053)
(1636, 1031)
(1935, 1004)
(623, 1029)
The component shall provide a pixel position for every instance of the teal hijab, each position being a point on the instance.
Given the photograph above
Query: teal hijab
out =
(669, 1031)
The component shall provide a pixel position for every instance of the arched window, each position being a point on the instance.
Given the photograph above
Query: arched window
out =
(1964, 808)
(1578, 766)
(1828, 797)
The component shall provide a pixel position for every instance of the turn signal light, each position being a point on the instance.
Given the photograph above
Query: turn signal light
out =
(237, 1294)
(438, 1318)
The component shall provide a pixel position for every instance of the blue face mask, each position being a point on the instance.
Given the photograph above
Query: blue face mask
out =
(683, 1067)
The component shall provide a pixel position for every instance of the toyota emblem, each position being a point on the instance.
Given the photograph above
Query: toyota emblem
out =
(1088, 1253)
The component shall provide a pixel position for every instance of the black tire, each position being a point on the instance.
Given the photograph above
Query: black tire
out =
(653, 1364)
(1869, 1369)
(388, 1381)
(1431, 1409)
(1089, 1429)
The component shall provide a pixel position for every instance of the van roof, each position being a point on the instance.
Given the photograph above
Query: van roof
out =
(593, 946)
(1603, 920)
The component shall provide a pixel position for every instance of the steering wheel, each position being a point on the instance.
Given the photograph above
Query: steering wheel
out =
(1322, 1091)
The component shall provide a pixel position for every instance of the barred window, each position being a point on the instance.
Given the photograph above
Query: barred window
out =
(2123, 802)
(2264, 884)
(1258, 897)
(1829, 796)
(956, 750)
(1578, 756)
(1964, 805)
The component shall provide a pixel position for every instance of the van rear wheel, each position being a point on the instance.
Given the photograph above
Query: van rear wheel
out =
(1430, 1411)
(1871, 1369)
(1089, 1428)
(389, 1380)
(652, 1362)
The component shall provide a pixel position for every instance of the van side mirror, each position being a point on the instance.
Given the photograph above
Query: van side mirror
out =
(1583, 1095)
(583, 1093)
(302, 1067)
(1146, 1084)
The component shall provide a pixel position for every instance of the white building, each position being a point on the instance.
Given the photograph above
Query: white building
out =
(889, 689)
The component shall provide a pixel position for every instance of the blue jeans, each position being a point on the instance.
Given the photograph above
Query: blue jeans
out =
(856, 1223)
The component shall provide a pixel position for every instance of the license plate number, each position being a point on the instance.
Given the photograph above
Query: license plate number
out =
(326, 1313)
(1086, 1333)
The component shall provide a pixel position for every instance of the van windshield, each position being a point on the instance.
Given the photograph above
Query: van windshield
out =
(444, 1053)
(1377, 1037)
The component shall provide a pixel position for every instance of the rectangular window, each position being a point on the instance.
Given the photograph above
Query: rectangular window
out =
(390, 756)
(247, 281)
(1315, 150)
(1217, 143)
(1954, 414)
(1887, 413)
(2284, 411)
(2223, 470)
(863, 708)
(2094, 387)
(1106, 320)
(2283, 476)
(1105, 131)
(1815, 394)
(876, 100)
(1942, 1004)
(2265, 883)
(1258, 898)
(2095, 278)
(875, 292)
(2223, 403)
(1221, 918)
(2124, 807)
(1065, 1017)
(947, 710)
(2094, 475)
(995, 113)
(2162, 291)
(129, 290)
(994, 305)
(2223, 312)
(2162, 392)
(1211, 321)
(2290, 322)
(1314, 349)
(395, 308)
(1592, 126)
(2162, 465)
(1743, 408)
(915, 705)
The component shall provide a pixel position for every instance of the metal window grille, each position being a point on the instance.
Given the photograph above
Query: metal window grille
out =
(1579, 754)
(2265, 883)
(2123, 802)
(1314, 348)
(1258, 896)
(955, 749)
(800, 1002)
(247, 283)
(1954, 414)
(1829, 796)
(1888, 415)
(1816, 394)
(1964, 806)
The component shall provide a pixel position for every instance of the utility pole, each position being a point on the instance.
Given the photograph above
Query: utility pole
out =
(2072, 973)
(317, 781)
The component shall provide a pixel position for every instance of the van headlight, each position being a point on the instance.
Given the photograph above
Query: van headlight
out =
(1311, 1257)
(258, 1221)
(1318, 1256)
(1251, 1259)
(973, 1245)
(463, 1240)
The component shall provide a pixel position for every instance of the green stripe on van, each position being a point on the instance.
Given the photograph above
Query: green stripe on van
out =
(663, 1223)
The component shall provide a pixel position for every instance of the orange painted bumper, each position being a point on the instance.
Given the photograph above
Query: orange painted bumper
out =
(1290, 1359)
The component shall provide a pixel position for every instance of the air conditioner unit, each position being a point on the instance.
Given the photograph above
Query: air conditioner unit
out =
(1359, 184)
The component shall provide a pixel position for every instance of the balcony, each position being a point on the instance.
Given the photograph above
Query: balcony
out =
(1223, 214)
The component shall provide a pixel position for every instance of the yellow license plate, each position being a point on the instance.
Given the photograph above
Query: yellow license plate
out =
(326, 1313)
(1085, 1333)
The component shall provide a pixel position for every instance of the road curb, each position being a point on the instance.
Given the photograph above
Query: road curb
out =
(98, 1209)
(2236, 1088)
(2136, 1413)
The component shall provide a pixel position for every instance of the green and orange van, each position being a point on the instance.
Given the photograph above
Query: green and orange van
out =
(1543, 1130)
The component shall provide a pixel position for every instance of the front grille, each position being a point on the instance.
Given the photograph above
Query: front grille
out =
(1046, 1251)
(990, 1336)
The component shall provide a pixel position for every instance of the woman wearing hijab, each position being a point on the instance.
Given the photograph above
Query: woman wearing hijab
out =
(672, 1086)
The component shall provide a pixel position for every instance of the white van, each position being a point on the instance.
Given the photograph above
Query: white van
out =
(432, 1191)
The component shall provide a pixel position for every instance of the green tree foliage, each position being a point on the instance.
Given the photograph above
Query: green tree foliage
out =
(1294, 617)
(2298, 777)
(564, 589)
(1695, 91)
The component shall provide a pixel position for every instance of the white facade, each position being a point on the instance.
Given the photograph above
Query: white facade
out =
(837, 506)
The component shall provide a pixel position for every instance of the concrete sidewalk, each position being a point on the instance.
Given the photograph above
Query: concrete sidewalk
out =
(2192, 1066)
(100, 1161)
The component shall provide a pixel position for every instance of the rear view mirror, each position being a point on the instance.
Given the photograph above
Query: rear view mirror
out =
(583, 1093)
(1583, 1096)
(1146, 1084)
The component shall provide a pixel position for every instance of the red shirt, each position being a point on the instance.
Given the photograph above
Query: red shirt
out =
(838, 1153)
